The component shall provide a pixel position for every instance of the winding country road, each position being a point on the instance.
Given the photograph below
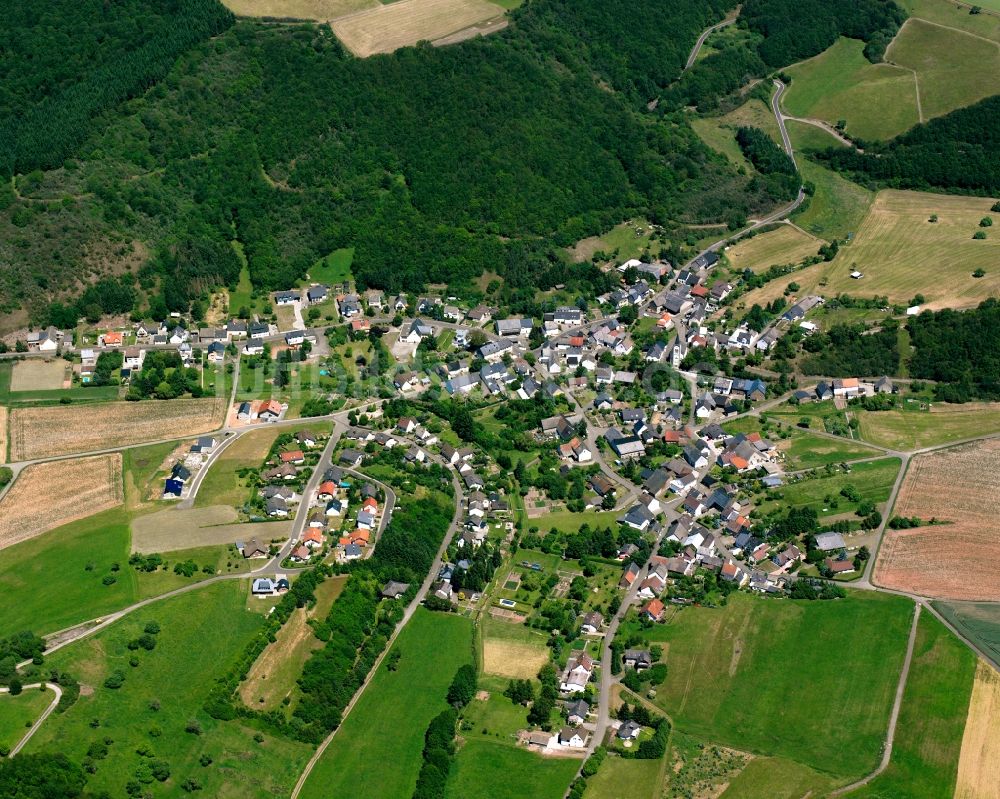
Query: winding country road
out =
(701, 41)
(45, 713)
(774, 216)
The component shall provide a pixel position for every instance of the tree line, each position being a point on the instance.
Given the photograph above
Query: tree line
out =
(959, 152)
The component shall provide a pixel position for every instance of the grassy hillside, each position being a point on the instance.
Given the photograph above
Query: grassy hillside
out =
(736, 675)
(147, 719)
(877, 101)
(388, 723)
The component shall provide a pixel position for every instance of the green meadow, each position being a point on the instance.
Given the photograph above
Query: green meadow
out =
(377, 750)
(156, 713)
(803, 681)
(925, 752)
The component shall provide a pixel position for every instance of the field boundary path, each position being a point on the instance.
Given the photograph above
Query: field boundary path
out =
(411, 609)
(45, 713)
(894, 715)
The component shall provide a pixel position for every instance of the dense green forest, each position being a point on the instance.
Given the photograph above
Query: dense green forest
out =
(433, 163)
(958, 349)
(851, 351)
(65, 61)
(797, 29)
(957, 152)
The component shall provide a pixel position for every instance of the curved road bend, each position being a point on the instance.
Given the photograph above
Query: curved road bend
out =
(45, 713)
(781, 213)
(701, 41)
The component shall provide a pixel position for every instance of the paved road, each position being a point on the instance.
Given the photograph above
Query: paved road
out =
(701, 40)
(781, 213)
(45, 713)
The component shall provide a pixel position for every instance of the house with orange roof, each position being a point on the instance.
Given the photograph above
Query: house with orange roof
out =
(269, 411)
(360, 325)
(370, 504)
(327, 490)
(653, 610)
(295, 456)
(846, 387)
(113, 339)
(361, 537)
(312, 538)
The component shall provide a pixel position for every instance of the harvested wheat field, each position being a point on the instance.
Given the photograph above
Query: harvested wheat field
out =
(3, 434)
(34, 374)
(979, 764)
(48, 495)
(955, 560)
(785, 244)
(176, 528)
(386, 28)
(320, 10)
(63, 429)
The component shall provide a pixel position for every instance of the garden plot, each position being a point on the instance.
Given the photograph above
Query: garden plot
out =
(48, 495)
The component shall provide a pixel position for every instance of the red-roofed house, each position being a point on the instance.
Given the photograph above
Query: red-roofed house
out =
(296, 456)
(653, 610)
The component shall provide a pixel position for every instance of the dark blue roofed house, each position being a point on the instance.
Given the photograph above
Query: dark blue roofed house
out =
(172, 489)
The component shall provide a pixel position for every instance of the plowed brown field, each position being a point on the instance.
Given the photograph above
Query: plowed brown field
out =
(49, 495)
(956, 560)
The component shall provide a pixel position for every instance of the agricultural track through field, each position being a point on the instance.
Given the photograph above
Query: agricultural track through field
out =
(411, 609)
(45, 713)
(897, 703)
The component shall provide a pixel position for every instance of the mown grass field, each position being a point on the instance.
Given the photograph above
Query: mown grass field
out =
(487, 770)
(877, 101)
(297, 9)
(18, 713)
(221, 485)
(837, 206)
(909, 429)
(29, 396)
(201, 634)
(622, 239)
(957, 16)
(901, 254)
(953, 68)
(928, 743)
(776, 778)
(512, 650)
(732, 681)
(377, 750)
(640, 779)
(802, 449)
(872, 479)
(273, 675)
(783, 245)
(385, 28)
(569, 522)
